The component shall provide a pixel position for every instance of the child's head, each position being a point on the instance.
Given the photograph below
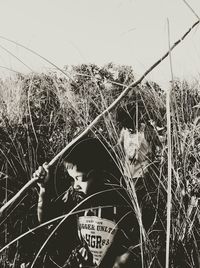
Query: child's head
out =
(131, 116)
(85, 162)
(136, 124)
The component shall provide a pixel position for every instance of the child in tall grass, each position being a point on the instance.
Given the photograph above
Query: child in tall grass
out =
(104, 231)
(140, 140)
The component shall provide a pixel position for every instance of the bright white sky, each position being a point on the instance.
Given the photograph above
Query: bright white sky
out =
(132, 32)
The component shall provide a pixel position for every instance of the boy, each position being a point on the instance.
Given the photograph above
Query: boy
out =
(140, 139)
(104, 232)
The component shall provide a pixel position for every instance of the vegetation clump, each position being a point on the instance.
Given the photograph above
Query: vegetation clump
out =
(41, 113)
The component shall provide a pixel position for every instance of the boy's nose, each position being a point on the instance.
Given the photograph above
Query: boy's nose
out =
(77, 187)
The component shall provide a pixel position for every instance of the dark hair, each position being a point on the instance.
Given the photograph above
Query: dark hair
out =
(89, 154)
(127, 115)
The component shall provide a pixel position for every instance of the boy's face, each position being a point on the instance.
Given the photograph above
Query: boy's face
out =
(80, 182)
(135, 145)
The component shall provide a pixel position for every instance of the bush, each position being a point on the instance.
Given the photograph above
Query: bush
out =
(41, 113)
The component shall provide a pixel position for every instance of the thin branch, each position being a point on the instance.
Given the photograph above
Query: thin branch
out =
(9, 69)
(29, 108)
(37, 54)
(5, 49)
(196, 15)
(169, 194)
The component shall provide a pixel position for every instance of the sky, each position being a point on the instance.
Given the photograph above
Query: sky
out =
(128, 32)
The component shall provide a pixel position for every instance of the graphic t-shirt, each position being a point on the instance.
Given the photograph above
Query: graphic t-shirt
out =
(103, 222)
(98, 234)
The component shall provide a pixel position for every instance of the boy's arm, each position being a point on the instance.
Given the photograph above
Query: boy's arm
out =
(42, 176)
(43, 205)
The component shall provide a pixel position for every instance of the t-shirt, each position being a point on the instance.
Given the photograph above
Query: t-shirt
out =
(105, 223)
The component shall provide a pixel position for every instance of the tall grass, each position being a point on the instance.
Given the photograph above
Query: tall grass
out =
(40, 113)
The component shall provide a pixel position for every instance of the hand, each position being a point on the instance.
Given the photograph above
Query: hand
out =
(42, 175)
(122, 261)
(86, 257)
(84, 253)
(80, 257)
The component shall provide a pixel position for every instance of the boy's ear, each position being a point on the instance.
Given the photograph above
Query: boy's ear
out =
(94, 174)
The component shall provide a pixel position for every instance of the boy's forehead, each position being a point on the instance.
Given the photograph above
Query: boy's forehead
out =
(70, 166)
(134, 128)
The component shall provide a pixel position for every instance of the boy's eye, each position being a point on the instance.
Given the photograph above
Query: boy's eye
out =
(131, 130)
(79, 178)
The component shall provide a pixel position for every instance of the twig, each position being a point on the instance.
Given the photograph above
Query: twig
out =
(93, 123)
(29, 108)
(9, 52)
(37, 54)
(196, 15)
(169, 145)
(9, 69)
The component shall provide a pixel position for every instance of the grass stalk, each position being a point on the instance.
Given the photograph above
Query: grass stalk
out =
(169, 171)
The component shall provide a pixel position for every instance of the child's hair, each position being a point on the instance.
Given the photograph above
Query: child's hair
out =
(89, 154)
(128, 115)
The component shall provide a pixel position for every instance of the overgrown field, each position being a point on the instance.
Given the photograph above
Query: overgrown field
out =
(41, 113)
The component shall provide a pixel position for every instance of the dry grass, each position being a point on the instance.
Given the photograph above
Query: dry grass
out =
(41, 113)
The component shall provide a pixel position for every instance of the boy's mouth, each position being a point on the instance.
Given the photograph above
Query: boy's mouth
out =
(78, 188)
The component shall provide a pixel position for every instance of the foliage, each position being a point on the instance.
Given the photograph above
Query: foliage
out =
(41, 113)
